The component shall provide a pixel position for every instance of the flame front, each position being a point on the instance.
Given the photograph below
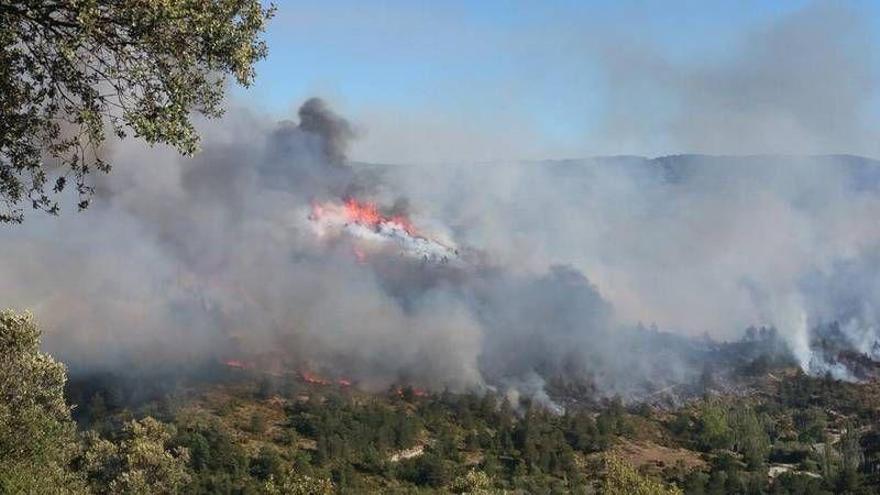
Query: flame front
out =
(363, 213)
(312, 378)
(305, 375)
(364, 222)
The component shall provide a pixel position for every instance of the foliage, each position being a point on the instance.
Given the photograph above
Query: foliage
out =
(217, 460)
(295, 484)
(811, 423)
(621, 478)
(474, 482)
(345, 441)
(70, 69)
(345, 431)
(715, 431)
(37, 435)
(141, 461)
(749, 437)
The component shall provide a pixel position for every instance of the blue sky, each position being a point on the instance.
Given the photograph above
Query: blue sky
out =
(494, 80)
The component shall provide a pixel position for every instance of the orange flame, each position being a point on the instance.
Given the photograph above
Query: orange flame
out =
(306, 376)
(313, 378)
(364, 213)
(367, 213)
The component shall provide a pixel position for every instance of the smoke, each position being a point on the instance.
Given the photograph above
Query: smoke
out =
(803, 84)
(183, 260)
(696, 244)
(186, 260)
(334, 132)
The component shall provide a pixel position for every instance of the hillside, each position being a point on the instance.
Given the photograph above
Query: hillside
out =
(782, 432)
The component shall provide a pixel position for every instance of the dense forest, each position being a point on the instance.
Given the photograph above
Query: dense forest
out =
(242, 431)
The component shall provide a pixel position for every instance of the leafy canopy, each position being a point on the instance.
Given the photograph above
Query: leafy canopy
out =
(71, 70)
(139, 463)
(37, 434)
(621, 478)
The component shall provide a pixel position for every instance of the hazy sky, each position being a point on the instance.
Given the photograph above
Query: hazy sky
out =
(492, 80)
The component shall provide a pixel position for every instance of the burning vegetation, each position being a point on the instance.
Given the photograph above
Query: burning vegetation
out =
(272, 317)
(527, 280)
(777, 431)
(370, 230)
(484, 337)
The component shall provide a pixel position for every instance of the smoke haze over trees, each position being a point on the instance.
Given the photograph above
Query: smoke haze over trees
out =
(189, 259)
(215, 257)
(272, 315)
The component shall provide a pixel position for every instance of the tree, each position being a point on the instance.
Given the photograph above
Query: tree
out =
(69, 70)
(810, 424)
(748, 436)
(140, 462)
(257, 423)
(621, 478)
(297, 484)
(851, 458)
(715, 432)
(37, 434)
(473, 482)
(267, 464)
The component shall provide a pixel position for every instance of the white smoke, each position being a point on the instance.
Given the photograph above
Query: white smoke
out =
(181, 260)
(186, 259)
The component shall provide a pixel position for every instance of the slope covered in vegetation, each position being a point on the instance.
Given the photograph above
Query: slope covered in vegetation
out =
(244, 431)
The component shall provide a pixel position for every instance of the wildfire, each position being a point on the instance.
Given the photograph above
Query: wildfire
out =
(363, 221)
(366, 213)
(304, 375)
(363, 213)
(313, 379)
(235, 363)
(416, 392)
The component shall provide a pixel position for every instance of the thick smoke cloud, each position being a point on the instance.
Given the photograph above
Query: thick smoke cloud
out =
(182, 261)
(334, 132)
(696, 244)
(186, 260)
